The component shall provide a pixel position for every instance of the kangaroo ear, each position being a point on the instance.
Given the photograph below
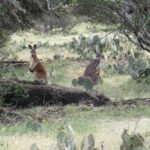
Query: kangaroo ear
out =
(30, 46)
(35, 46)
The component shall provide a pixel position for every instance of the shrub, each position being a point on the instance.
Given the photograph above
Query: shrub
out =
(66, 141)
(85, 82)
(132, 141)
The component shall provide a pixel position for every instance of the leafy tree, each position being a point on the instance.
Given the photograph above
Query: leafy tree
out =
(22, 14)
(133, 17)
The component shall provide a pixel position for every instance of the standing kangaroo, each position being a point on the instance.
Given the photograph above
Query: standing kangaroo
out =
(36, 67)
(92, 71)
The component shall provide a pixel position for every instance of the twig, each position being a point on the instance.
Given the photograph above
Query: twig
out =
(109, 34)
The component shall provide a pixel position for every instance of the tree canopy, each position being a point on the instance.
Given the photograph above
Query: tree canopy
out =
(23, 14)
(131, 16)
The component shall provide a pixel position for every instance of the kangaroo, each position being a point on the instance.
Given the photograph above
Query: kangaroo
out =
(36, 67)
(92, 71)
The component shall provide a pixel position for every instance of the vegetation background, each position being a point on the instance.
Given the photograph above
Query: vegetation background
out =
(66, 31)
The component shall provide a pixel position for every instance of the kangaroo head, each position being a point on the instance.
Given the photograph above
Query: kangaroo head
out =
(32, 50)
(97, 59)
(33, 58)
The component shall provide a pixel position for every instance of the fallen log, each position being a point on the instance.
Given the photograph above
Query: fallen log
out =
(136, 101)
(20, 93)
(27, 94)
(14, 63)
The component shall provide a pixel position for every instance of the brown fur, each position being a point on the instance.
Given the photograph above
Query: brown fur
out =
(40, 72)
(92, 71)
(37, 67)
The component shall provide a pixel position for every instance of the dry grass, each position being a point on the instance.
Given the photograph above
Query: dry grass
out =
(107, 132)
(24, 142)
(34, 37)
(106, 124)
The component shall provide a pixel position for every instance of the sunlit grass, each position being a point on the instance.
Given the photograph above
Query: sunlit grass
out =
(106, 124)
(115, 86)
(124, 87)
(23, 38)
(87, 27)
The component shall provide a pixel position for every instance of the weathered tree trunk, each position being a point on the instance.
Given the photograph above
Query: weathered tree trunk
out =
(26, 94)
(15, 63)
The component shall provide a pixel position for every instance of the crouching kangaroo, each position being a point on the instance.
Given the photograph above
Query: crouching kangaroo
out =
(36, 67)
(92, 70)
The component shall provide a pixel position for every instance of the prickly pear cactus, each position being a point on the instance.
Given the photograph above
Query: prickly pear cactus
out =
(65, 139)
(132, 141)
(75, 82)
(145, 73)
(88, 143)
(136, 67)
(85, 82)
(34, 147)
(84, 46)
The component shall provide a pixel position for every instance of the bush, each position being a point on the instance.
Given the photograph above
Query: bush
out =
(132, 141)
(16, 95)
(85, 82)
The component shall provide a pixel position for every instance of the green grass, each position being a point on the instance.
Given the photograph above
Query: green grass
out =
(124, 87)
(90, 27)
(105, 123)
(115, 86)
(23, 38)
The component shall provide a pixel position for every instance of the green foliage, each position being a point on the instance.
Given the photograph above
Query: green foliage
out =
(2, 94)
(34, 147)
(37, 14)
(88, 143)
(57, 56)
(132, 141)
(85, 82)
(21, 94)
(3, 146)
(97, 10)
(5, 55)
(129, 24)
(65, 140)
(2, 10)
(87, 46)
(135, 63)
(137, 66)
(33, 126)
